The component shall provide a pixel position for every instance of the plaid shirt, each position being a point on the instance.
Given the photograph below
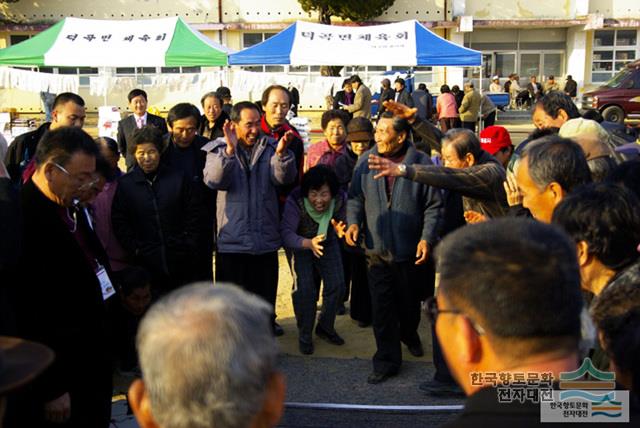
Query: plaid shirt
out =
(480, 185)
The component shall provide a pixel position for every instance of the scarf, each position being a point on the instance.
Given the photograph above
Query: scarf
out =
(322, 218)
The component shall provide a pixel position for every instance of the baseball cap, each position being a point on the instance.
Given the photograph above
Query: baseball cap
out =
(590, 135)
(359, 129)
(494, 138)
(495, 78)
(21, 361)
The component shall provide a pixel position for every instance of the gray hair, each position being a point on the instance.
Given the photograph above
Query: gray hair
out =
(207, 354)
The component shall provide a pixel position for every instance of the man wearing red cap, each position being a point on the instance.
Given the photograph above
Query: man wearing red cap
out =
(497, 141)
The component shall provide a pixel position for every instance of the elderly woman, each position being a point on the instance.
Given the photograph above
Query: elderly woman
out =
(155, 215)
(334, 145)
(214, 116)
(310, 213)
(447, 109)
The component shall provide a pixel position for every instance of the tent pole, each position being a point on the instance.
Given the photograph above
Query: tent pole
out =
(480, 89)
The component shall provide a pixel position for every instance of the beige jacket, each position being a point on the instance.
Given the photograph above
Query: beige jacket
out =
(470, 107)
(361, 106)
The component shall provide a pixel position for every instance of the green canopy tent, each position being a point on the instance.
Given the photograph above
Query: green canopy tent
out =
(75, 42)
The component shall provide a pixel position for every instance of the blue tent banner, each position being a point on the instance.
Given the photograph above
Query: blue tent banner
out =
(406, 43)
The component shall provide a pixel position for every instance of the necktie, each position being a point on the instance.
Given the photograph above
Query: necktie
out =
(140, 123)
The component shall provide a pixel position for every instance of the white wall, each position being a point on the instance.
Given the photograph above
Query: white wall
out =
(577, 54)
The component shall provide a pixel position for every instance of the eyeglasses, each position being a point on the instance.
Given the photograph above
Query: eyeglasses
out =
(432, 311)
(86, 185)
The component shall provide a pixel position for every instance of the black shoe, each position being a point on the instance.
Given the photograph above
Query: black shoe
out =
(416, 350)
(436, 388)
(376, 378)
(305, 348)
(341, 310)
(277, 329)
(364, 324)
(332, 338)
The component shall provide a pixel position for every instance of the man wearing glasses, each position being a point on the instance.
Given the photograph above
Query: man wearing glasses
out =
(508, 302)
(68, 110)
(64, 283)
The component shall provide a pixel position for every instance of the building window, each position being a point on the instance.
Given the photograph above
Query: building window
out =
(14, 39)
(612, 50)
(251, 39)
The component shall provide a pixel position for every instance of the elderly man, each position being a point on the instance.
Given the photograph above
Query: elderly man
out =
(400, 220)
(231, 379)
(138, 102)
(214, 116)
(361, 106)
(604, 221)
(520, 319)
(468, 170)
(245, 167)
(596, 144)
(549, 169)
(64, 284)
(470, 108)
(183, 152)
(68, 110)
(553, 110)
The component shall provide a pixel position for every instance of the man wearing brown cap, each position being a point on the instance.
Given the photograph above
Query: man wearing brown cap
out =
(595, 142)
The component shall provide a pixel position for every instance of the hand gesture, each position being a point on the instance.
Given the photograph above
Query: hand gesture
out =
(284, 142)
(385, 166)
(400, 110)
(339, 227)
(473, 217)
(58, 411)
(315, 245)
(422, 252)
(230, 136)
(351, 236)
(514, 197)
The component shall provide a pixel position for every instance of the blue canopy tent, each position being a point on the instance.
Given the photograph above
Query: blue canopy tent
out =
(407, 43)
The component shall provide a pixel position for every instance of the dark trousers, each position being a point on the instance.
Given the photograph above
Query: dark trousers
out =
(256, 273)
(489, 120)
(447, 123)
(442, 374)
(329, 266)
(395, 302)
(360, 308)
(469, 125)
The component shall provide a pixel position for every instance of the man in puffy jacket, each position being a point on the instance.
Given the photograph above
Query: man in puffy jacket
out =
(245, 167)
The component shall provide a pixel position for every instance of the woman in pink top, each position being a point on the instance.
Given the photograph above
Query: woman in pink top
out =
(327, 151)
(447, 109)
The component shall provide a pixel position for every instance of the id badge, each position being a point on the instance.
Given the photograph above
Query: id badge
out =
(105, 283)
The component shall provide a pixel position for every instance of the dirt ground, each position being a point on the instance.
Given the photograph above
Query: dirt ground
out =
(360, 342)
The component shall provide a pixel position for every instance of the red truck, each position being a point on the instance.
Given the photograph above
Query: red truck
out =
(618, 100)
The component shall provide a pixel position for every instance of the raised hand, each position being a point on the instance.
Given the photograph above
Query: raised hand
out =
(339, 227)
(230, 136)
(422, 252)
(385, 166)
(514, 197)
(284, 142)
(400, 110)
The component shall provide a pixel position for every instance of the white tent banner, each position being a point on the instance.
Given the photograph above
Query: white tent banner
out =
(112, 43)
(390, 43)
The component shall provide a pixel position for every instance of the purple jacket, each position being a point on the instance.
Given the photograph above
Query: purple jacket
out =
(297, 225)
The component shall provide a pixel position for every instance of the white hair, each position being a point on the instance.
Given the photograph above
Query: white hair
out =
(207, 354)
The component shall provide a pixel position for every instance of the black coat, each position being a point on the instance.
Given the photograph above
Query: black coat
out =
(22, 150)
(127, 126)
(157, 223)
(191, 161)
(404, 97)
(59, 302)
(212, 133)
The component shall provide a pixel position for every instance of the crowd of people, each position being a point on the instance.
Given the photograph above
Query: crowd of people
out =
(532, 245)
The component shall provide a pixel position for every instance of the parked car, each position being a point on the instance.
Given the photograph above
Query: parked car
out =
(619, 98)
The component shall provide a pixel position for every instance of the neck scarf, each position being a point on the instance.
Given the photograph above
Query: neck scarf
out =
(322, 218)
